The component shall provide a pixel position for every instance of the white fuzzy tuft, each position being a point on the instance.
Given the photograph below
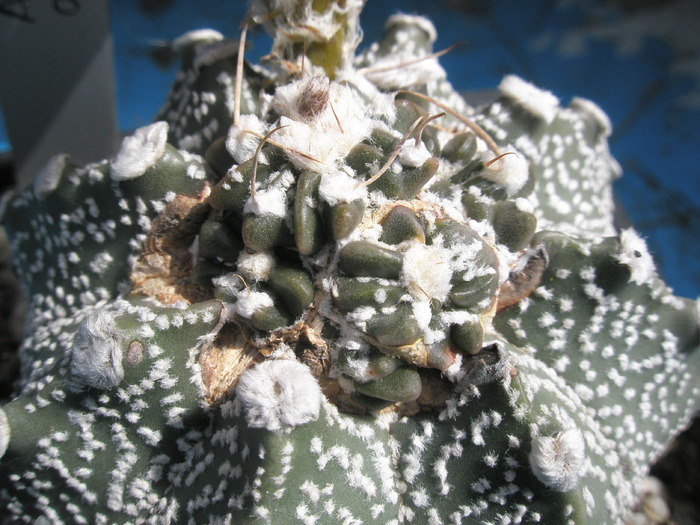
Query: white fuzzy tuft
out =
(539, 102)
(255, 266)
(591, 108)
(403, 71)
(413, 155)
(197, 36)
(97, 352)
(321, 141)
(139, 151)
(48, 178)
(510, 171)
(279, 394)
(413, 20)
(4, 432)
(338, 187)
(635, 255)
(242, 141)
(270, 201)
(558, 461)
(427, 271)
(250, 302)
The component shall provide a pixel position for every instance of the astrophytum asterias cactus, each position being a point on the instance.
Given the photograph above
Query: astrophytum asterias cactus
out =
(348, 297)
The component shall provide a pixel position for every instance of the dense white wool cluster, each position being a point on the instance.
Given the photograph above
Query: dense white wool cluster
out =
(558, 461)
(229, 283)
(50, 175)
(403, 71)
(279, 394)
(338, 186)
(255, 266)
(97, 355)
(539, 102)
(403, 19)
(427, 271)
(271, 200)
(594, 110)
(510, 171)
(319, 141)
(635, 255)
(249, 302)
(4, 432)
(412, 154)
(194, 37)
(242, 141)
(139, 151)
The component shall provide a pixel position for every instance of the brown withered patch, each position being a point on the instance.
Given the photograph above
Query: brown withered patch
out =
(163, 270)
(224, 361)
(522, 283)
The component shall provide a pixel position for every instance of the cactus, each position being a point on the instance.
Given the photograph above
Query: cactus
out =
(348, 297)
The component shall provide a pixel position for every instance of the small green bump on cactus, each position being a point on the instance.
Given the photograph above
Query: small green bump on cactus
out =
(218, 242)
(397, 327)
(468, 336)
(264, 232)
(352, 293)
(399, 225)
(233, 191)
(219, 157)
(294, 286)
(344, 217)
(460, 148)
(366, 259)
(364, 157)
(439, 355)
(514, 228)
(382, 140)
(308, 227)
(475, 207)
(406, 184)
(401, 385)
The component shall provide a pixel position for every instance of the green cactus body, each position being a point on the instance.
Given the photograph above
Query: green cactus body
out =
(375, 315)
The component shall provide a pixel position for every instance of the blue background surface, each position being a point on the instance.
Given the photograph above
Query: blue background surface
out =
(640, 61)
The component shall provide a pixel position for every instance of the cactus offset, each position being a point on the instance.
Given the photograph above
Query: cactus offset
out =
(338, 303)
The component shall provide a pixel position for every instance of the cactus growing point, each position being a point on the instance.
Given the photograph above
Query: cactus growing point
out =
(344, 296)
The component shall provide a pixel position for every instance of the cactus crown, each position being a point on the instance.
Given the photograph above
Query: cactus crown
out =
(302, 278)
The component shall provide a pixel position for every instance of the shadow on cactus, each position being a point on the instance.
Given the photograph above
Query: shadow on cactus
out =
(348, 297)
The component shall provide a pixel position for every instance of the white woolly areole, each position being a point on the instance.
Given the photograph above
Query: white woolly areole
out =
(319, 143)
(249, 302)
(271, 201)
(635, 255)
(594, 110)
(339, 187)
(413, 155)
(539, 102)
(139, 151)
(240, 142)
(197, 36)
(97, 354)
(402, 70)
(50, 175)
(558, 461)
(413, 20)
(510, 171)
(255, 266)
(4, 432)
(427, 271)
(279, 394)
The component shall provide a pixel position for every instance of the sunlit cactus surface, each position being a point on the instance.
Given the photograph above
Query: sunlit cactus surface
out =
(325, 289)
